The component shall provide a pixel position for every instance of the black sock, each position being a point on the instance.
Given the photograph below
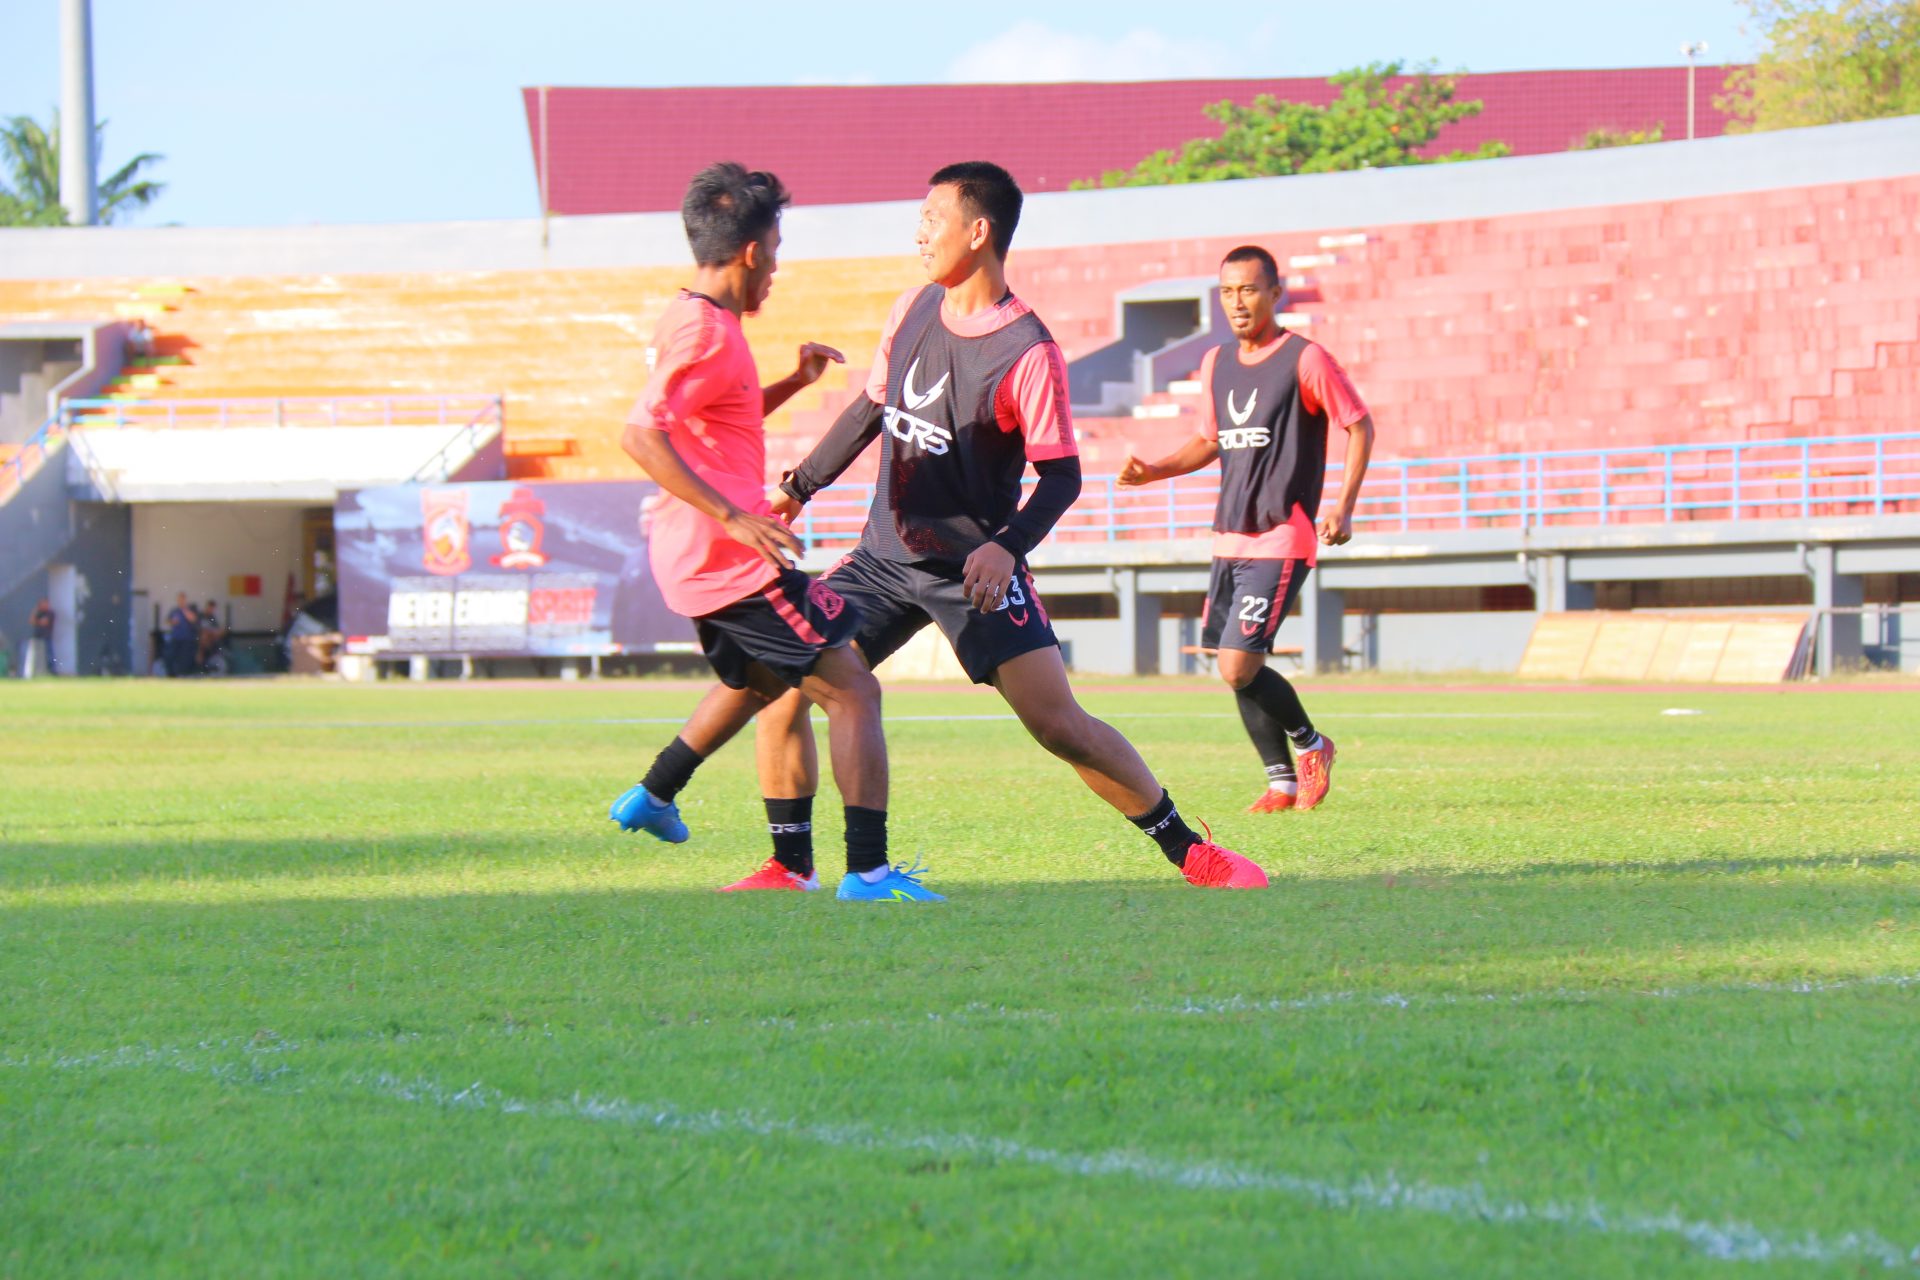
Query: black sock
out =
(1277, 698)
(671, 770)
(1269, 739)
(866, 838)
(1169, 831)
(790, 823)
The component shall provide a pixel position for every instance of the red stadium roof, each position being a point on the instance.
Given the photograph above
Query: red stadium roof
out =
(632, 150)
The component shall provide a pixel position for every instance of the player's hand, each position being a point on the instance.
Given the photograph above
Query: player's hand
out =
(786, 507)
(1336, 529)
(814, 357)
(765, 536)
(986, 575)
(1135, 472)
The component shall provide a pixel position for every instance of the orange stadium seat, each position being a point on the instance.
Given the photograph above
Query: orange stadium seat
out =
(1744, 317)
(567, 348)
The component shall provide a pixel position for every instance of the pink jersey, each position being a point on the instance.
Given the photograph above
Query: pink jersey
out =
(1324, 388)
(705, 394)
(1031, 399)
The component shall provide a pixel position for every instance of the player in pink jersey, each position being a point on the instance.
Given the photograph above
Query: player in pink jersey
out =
(720, 557)
(1278, 394)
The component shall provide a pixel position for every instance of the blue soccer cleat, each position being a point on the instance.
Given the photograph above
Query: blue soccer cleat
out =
(637, 810)
(900, 885)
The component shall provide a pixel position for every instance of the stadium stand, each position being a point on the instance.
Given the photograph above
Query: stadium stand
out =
(1660, 315)
(567, 348)
(1727, 318)
(1730, 318)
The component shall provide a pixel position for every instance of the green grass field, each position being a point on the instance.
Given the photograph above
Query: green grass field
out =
(312, 980)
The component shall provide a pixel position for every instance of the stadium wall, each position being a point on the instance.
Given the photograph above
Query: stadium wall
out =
(198, 547)
(47, 539)
(630, 150)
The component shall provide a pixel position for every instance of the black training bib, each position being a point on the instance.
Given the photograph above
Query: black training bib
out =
(1273, 453)
(949, 476)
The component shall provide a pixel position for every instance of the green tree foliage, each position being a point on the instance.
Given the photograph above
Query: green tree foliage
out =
(30, 195)
(1828, 63)
(1370, 125)
(1602, 138)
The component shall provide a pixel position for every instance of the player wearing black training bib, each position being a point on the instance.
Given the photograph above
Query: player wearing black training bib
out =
(1271, 397)
(968, 388)
(965, 405)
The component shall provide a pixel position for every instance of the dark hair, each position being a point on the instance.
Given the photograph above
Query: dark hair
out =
(1254, 253)
(728, 208)
(986, 191)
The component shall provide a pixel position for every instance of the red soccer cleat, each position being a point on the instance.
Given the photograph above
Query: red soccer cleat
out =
(1315, 768)
(1272, 801)
(1211, 867)
(772, 875)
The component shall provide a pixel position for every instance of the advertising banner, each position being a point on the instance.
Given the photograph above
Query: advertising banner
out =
(501, 570)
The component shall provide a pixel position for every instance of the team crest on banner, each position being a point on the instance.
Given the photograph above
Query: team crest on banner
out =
(446, 536)
(521, 529)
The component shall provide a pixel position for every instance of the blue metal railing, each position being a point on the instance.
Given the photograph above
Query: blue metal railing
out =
(1744, 480)
(285, 411)
(19, 467)
(489, 421)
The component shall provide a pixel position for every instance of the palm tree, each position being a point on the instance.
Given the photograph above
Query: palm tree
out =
(31, 195)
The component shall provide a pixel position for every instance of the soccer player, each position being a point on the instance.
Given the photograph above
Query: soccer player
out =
(722, 559)
(967, 388)
(1270, 397)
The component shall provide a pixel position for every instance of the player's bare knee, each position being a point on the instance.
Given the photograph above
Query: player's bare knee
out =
(1238, 671)
(841, 687)
(1068, 736)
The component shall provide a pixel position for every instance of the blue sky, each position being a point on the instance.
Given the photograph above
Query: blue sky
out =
(408, 110)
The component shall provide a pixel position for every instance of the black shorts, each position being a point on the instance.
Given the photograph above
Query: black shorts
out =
(895, 600)
(1246, 599)
(784, 628)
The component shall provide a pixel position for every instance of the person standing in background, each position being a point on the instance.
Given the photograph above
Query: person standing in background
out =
(39, 643)
(183, 637)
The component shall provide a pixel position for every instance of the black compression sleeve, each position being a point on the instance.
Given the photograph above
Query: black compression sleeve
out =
(850, 433)
(1058, 487)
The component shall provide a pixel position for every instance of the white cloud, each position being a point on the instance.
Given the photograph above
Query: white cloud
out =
(1033, 51)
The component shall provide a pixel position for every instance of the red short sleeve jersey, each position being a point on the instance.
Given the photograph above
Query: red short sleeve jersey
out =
(705, 394)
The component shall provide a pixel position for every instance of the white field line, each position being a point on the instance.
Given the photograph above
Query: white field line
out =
(1722, 1241)
(1568, 995)
(1386, 1192)
(988, 718)
(1364, 1000)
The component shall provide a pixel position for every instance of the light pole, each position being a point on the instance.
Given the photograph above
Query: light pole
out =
(76, 112)
(1690, 51)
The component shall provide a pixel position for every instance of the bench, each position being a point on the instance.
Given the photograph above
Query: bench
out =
(1293, 651)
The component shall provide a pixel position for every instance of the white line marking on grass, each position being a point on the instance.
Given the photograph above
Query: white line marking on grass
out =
(1394, 1000)
(986, 718)
(1471, 1203)
(1723, 1241)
